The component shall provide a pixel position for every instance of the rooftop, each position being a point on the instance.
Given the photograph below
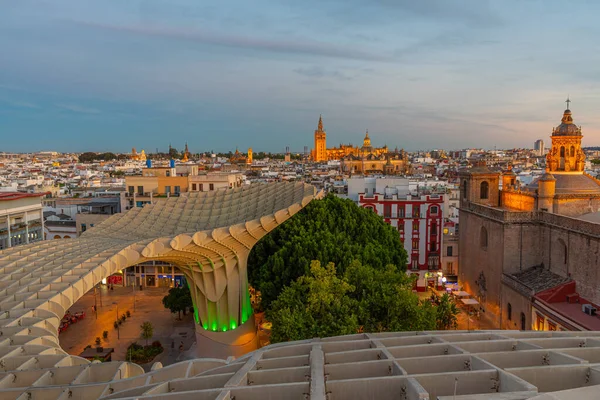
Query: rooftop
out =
(539, 278)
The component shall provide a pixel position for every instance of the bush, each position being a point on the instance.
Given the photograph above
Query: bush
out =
(123, 317)
(105, 334)
(128, 313)
(120, 321)
(143, 354)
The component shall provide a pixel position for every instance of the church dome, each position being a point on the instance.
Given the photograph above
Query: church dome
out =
(567, 127)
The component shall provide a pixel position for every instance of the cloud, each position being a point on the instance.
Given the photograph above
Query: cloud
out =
(317, 71)
(78, 109)
(297, 46)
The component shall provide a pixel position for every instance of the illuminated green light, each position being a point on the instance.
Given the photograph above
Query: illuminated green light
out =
(233, 325)
(224, 328)
(205, 327)
(214, 326)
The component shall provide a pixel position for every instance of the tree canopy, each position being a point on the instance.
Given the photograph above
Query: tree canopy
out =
(178, 299)
(321, 304)
(329, 230)
(89, 157)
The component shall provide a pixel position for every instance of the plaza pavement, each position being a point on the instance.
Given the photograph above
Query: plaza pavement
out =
(148, 307)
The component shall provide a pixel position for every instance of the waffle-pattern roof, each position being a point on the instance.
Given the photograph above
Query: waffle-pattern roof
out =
(206, 234)
(444, 365)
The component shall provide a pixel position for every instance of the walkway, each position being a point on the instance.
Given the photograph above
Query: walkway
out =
(148, 307)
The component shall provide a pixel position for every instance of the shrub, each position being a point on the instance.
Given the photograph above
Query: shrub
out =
(123, 317)
(116, 325)
(105, 334)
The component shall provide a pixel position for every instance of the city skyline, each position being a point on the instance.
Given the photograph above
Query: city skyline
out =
(453, 74)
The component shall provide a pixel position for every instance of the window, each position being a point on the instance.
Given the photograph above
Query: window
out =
(415, 244)
(211, 186)
(483, 190)
(83, 228)
(177, 189)
(400, 212)
(450, 268)
(141, 190)
(432, 246)
(194, 187)
(539, 322)
(415, 226)
(483, 238)
(551, 325)
(449, 251)
(91, 225)
(168, 189)
(387, 210)
(415, 212)
(401, 227)
(415, 263)
(434, 228)
(434, 210)
(572, 155)
(523, 324)
(509, 312)
(130, 189)
(202, 187)
(562, 151)
(464, 189)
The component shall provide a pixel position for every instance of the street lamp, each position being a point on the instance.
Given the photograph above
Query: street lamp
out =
(117, 320)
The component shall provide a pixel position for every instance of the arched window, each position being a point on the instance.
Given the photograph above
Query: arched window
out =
(523, 323)
(56, 236)
(572, 151)
(483, 238)
(564, 251)
(464, 188)
(483, 190)
(562, 151)
(509, 311)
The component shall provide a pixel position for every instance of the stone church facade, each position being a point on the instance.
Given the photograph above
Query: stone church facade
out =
(531, 255)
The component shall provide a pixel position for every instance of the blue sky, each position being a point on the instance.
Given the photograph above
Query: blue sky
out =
(110, 75)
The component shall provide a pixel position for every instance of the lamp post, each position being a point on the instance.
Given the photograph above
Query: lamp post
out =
(117, 320)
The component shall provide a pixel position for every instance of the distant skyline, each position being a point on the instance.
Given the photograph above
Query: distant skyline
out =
(82, 75)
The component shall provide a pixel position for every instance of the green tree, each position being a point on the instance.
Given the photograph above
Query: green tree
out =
(174, 154)
(316, 305)
(178, 299)
(328, 230)
(446, 313)
(88, 157)
(147, 330)
(386, 301)
(322, 304)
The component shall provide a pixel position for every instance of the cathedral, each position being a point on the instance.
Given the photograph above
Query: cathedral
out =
(359, 160)
(530, 254)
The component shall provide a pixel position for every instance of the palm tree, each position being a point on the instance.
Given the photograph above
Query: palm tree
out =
(147, 331)
(446, 313)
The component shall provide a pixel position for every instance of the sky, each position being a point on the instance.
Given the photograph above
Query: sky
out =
(110, 75)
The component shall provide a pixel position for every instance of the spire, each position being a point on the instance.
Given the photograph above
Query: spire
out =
(186, 148)
(320, 127)
(568, 101)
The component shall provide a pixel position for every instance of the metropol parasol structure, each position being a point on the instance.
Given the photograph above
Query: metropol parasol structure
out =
(209, 236)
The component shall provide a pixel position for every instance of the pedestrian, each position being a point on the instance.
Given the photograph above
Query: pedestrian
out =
(181, 347)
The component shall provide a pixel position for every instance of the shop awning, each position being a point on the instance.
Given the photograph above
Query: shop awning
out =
(469, 302)
(461, 293)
